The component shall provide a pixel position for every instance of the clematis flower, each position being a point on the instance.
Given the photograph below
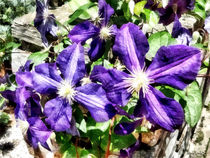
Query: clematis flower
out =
(173, 9)
(175, 65)
(64, 83)
(28, 107)
(182, 35)
(45, 22)
(27, 102)
(168, 11)
(99, 33)
(38, 132)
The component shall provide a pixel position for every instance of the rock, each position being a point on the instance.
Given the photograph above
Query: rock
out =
(19, 58)
(14, 136)
(199, 145)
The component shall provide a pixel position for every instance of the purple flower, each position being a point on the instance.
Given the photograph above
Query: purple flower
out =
(175, 65)
(99, 33)
(26, 101)
(38, 132)
(182, 35)
(45, 22)
(173, 9)
(64, 83)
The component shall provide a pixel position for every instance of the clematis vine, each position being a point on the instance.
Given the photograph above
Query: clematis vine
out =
(45, 22)
(62, 83)
(99, 33)
(175, 65)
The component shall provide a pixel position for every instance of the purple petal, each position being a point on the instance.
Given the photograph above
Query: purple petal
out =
(26, 67)
(44, 22)
(97, 49)
(22, 94)
(33, 108)
(24, 79)
(125, 128)
(59, 114)
(83, 31)
(207, 24)
(176, 66)
(131, 45)
(178, 29)
(105, 11)
(112, 82)
(46, 78)
(71, 62)
(93, 97)
(37, 132)
(160, 110)
(10, 95)
(73, 129)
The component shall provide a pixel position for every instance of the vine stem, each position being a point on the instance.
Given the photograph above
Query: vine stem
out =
(76, 148)
(109, 140)
(203, 75)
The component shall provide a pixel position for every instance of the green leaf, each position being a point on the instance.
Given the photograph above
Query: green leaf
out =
(38, 57)
(139, 7)
(119, 142)
(194, 104)
(102, 126)
(64, 140)
(83, 126)
(199, 8)
(70, 153)
(107, 64)
(153, 19)
(4, 118)
(156, 40)
(58, 48)
(12, 45)
(81, 10)
(2, 101)
(126, 10)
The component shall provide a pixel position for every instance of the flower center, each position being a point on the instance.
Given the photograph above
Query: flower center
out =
(105, 32)
(66, 90)
(137, 81)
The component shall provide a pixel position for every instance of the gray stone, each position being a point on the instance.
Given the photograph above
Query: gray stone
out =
(19, 58)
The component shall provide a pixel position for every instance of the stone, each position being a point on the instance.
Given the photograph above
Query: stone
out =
(19, 58)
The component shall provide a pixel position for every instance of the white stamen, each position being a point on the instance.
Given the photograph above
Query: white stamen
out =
(97, 19)
(105, 32)
(66, 90)
(85, 80)
(138, 80)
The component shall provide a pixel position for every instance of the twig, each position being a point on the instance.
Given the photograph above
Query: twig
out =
(109, 141)
(76, 148)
